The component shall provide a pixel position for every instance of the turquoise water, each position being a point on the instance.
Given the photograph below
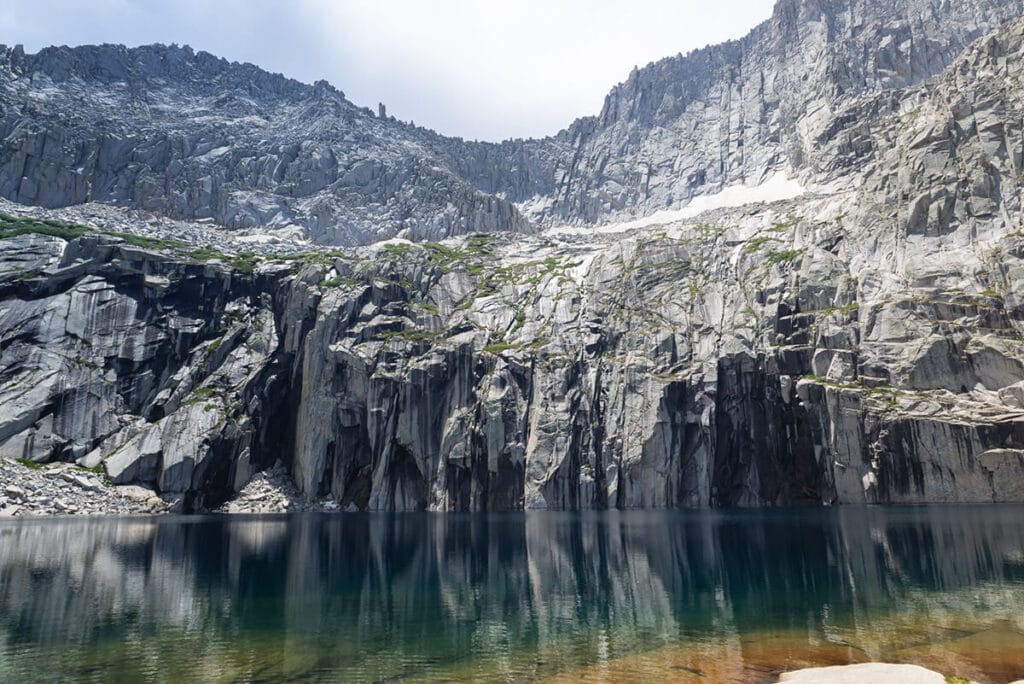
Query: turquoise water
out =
(610, 596)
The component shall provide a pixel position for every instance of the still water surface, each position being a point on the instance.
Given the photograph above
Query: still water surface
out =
(703, 596)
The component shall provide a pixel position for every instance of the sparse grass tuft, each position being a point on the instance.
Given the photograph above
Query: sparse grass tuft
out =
(11, 226)
(755, 244)
(31, 465)
(498, 347)
(147, 242)
(411, 335)
(199, 395)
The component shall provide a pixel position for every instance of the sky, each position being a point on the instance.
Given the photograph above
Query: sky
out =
(479, 69)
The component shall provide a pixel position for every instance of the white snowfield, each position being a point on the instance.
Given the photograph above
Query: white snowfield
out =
(778, 187)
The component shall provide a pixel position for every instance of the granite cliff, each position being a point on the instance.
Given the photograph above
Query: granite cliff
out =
(859, 340)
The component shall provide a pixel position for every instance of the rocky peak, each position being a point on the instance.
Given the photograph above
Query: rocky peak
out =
(191, 136)
(183, 133)
(150, 65)
(739, 112)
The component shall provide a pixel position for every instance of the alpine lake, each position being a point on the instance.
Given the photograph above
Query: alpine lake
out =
(616, 596)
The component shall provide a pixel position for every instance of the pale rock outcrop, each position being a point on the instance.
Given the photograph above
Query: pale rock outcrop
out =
(883, 673)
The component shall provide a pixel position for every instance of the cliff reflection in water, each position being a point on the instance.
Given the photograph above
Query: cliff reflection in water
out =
(527, 594)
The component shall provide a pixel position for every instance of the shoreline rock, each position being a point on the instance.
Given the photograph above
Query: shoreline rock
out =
(877, 673)
(272, 491)
(66, 489)
(62, 489)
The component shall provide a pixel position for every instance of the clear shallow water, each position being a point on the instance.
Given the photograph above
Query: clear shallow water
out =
(686, 596)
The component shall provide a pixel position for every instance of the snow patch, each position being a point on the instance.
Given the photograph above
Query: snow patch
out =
(214, 154)
(778, 187)
(271, 236)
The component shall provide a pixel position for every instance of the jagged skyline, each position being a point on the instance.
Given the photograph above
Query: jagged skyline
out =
(505, 71)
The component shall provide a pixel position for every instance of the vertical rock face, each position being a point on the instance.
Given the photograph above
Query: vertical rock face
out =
(108, 344)
(791, 353)
(861, 343)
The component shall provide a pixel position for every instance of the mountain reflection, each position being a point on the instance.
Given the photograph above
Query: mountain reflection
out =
(371, 596)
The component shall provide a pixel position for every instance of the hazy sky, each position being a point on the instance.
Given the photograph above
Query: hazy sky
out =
(476, 68)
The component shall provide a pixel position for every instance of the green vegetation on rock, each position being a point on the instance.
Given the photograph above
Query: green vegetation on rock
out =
(11, 226)
(32, 465)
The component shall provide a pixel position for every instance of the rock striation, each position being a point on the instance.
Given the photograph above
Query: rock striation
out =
(860, 342)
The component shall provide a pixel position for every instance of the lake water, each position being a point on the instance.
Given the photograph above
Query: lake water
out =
(702, 596)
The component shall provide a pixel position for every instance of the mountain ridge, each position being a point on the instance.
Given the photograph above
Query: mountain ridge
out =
(681, 127)
(133, 106)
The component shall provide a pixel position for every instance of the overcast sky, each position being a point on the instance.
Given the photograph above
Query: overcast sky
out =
(476, 68)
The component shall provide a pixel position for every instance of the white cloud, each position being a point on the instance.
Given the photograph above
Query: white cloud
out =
(480, 69)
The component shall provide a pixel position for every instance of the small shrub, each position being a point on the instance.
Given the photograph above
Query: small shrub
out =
(244, 263)
(785, 256)
(755, 244)
(199, 395)
(207, 254)
(397, 250)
